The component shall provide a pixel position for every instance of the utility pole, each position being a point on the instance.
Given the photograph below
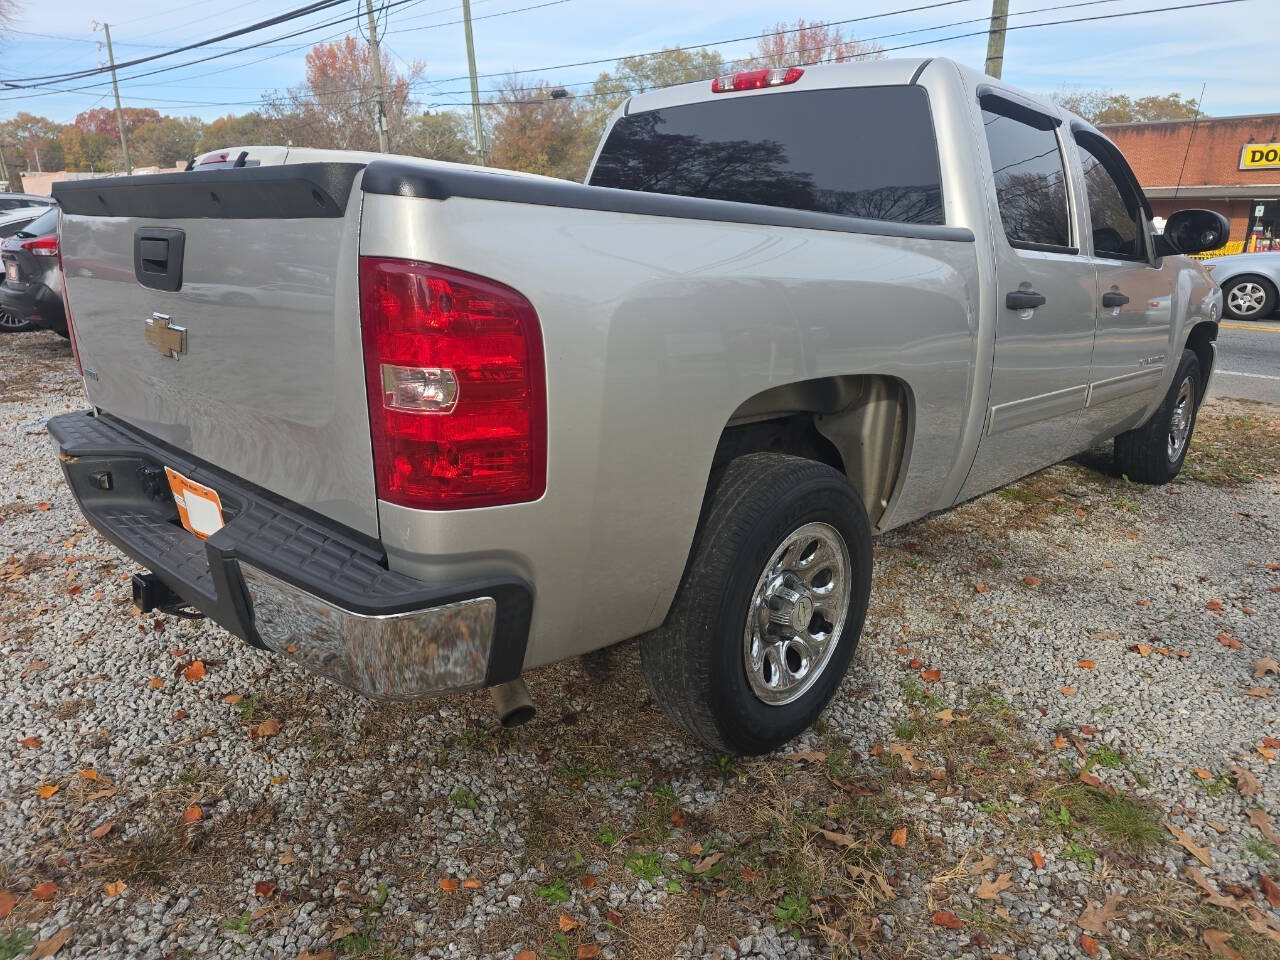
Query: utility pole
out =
(375, 51)
(475, 87)
(115, 88)
(995, 37)
(4, 169)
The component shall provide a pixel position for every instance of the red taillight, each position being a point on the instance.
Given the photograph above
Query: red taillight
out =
(456, 385)
(42, 246)
(66, 303)
(215, 158)
(756, 79)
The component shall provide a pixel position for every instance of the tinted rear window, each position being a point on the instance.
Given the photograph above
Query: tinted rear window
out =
(44, 224)
(861, 152)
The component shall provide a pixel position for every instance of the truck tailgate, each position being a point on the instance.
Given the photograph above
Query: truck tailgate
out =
(251, 360)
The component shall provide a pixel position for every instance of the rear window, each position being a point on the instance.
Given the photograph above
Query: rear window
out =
(861, 152)
(42, 225)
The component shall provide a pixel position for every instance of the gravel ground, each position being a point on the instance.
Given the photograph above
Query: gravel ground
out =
(1055, 741)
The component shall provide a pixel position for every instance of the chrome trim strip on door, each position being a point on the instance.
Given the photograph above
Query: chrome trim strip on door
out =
(1114, 388)
(1045, 406)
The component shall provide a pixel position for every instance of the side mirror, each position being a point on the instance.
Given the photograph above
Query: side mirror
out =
(1193, 231)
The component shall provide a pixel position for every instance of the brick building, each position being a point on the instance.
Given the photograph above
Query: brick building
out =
(1227, 164)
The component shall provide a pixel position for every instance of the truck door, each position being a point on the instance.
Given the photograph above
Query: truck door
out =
(1046, 295)
(1135, 304)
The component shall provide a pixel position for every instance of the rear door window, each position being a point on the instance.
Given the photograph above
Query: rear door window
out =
(1030, 177)
(42, 225)
(858, 152)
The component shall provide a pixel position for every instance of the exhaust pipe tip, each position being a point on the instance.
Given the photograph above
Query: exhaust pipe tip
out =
(512, 702)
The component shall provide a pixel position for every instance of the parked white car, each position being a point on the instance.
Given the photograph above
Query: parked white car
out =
(1249, 282)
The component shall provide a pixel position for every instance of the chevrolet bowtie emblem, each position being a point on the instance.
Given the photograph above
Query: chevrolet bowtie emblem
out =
(165, 337)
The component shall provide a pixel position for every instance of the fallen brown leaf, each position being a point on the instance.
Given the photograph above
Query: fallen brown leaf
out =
(1246, 783)
(899, 837)
(31, 743)
(330, 955)
(945, 918)
(566, 923)
(1214, 605)
(1067, 691)
(233, 698)
(525, 955)
(1269, 890)
(45, 891)
(833, 838)
(1202, 773)
(448, 884)
(1264, 666)
(471, 883)
(709, 861)
(1260, 692)
(1202, 884)
(194, 671)
(903, 752)
(1096, 916)
(1230, 642)
(47, 790)
(1032, 581)
(932, 675)
(104, 793)
(1262, 820)
(264, 889)
(267, 728)
(1089, 946)
(1268, 753)
(47, 948)
(991, 889)
(807, 756)
(1141, 649)
(1216, 941)
(1193, 848)
(1086, 664)
(588, 951)
(1037, 858)
(101, 831)
(982, 866)
(193, 814)
(7, 902)
(156, 683)
(113, 888)
(1090, 779)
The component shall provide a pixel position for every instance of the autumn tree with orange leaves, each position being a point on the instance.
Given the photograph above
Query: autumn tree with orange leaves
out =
(790, 44)
(335, 107)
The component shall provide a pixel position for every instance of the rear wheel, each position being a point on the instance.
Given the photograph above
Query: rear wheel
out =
(12, 323)
(1249, 297)
(771, 606)
(1155, 451)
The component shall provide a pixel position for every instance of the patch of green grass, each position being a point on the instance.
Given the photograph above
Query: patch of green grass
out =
(15, 944)
(244, 709)
(580, 770)
(791, 913)
(1260, 849)
(1060, 817)
(606, 838)
(464, 799)
(554, 892)
(1018, 495)
(1080, 854)
(1127, 504)
(1116, 818)
(1105, 757)
(724, 765)
(906, 729)
(240, 924)
(643, 865)
(559, 948)
(1216, 786)
(912, 691)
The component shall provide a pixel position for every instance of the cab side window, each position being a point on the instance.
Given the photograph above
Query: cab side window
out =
(1030, 176)
(1115, 215)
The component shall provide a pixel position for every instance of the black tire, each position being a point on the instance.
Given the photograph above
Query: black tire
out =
(1255, 286)
(11, 324)
(1145, 454)
(695, 664)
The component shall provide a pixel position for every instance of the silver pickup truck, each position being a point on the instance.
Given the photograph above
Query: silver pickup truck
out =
(422, 427)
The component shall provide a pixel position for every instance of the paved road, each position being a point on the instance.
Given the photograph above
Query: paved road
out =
(1248, 361)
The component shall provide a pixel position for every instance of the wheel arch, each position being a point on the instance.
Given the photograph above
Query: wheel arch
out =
(1201, 340)
(860, 424)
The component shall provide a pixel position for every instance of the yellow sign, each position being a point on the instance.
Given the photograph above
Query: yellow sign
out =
(1260, 156)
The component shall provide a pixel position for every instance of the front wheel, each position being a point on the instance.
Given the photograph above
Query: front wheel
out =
(1248, 298)
(771, 606)
(12, 323)
(1155, 451)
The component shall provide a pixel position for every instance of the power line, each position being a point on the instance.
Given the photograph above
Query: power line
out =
(296, 13)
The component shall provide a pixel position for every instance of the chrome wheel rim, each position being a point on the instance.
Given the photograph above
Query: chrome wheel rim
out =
(1180, 422)
(1246, 298)
(10, 320)
(797, 611)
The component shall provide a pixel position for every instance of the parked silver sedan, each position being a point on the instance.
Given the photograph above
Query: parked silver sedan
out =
(1249, 282)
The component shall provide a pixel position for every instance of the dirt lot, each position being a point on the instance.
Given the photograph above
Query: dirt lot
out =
(1057, 740)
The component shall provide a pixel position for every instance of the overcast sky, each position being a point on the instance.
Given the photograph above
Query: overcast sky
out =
(1231, 47)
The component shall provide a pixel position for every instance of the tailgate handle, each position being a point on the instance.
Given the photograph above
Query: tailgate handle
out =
(157, 257)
